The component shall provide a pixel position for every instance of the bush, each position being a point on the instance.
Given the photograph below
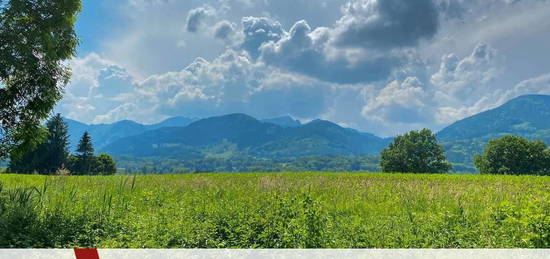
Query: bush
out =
(104, 165)
(99, 165)
(415, 152)
(513, 155)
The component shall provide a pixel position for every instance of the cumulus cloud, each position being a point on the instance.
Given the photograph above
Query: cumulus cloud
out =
(97, 87)
(283, 93)
(305, 51)
(386, 24)
(230, 83)
(234, 83)
(399, 102)
(224, 30)
(257, 31)
(459, 88)
(537, 85)
(452, 9)
(458, 80)
(380, 66)
(493, 98)
(367, 44)
(196, 17)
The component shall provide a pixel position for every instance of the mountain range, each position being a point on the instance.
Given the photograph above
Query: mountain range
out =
(105, 134)
(526, 116)
(228, 135)
(282, 137)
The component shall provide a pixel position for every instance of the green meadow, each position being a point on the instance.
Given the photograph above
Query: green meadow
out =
(275, 210)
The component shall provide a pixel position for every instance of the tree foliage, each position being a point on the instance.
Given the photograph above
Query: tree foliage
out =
(57, 144)
(85, 147)
(86, 163)
(36, 38)
(50, 155)
(415, 152)
(95, 165)
(85, 156)
(104, 165)
(159, 165)
(513, 155)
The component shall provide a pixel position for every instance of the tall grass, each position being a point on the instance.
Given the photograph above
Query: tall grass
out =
(298, 210)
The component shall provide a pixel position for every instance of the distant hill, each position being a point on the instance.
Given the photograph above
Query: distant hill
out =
(284, 137)
(104, 134)
(527, 116)
(172, 122)
(284, 121)
(245, 135)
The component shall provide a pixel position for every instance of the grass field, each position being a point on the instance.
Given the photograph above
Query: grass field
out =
(292, 210)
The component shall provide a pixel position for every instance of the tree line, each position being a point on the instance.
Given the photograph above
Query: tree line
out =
(419, 152)
(52, 155)
(241, 163)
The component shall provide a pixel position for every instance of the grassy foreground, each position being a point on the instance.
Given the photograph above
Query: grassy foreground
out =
(293, 210)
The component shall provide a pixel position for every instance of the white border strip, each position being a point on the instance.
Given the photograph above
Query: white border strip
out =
(37, 253)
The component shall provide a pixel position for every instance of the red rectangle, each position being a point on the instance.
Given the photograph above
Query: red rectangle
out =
(86, 253)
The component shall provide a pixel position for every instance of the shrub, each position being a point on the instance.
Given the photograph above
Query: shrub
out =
(513, 155)
(415, 152)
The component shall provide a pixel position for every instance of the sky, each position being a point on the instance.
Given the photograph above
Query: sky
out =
(379, 66)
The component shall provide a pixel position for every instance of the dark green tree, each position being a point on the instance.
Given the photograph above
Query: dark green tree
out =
(104, 165)
(36, 38)
(415, 152)
(57, 145)
(27, 163)
(50, 155)
(513, 155)
(85, 155)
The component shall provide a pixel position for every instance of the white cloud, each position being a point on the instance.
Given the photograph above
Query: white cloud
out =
(196, 17)
(224, 30)
(399, 102)
(374, 65)
(458, 80)
(258, 31)
(94, 88)
(308, 52)
(537, 85)
(230, 83)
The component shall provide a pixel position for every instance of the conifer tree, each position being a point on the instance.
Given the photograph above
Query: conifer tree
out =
(57, 145)
(50, 155)
(85, 155)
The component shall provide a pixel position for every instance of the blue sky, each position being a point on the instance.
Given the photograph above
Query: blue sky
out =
(385, 66)
(93, 24)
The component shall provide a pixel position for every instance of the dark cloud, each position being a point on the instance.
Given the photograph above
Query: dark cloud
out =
(451, 9)
(386, 24)
(259, 30)
(304, 51)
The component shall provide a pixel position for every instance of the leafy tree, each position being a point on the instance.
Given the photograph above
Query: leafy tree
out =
(514, 155)
(36, 38)
(104, 165)
(85, 155)
(27, 163)
(72, 164)
(415, 152)
(50, 155)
